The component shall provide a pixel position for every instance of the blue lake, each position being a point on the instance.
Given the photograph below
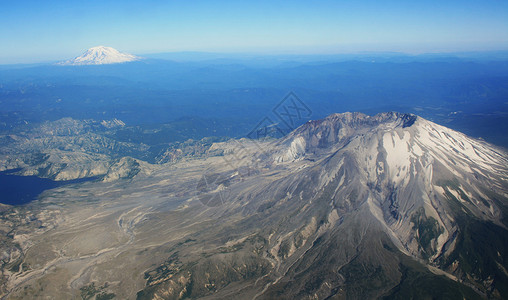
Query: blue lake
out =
(18, 190)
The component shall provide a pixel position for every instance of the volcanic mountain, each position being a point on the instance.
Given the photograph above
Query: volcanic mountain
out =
(347, 207)
(101, 55)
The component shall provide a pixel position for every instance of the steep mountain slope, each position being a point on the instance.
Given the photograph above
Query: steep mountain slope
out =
(100, 55)
(426, 185)
(348, 207)
(349, 199)
(409, 165)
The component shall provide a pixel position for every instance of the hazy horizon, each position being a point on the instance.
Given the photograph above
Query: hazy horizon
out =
(494, 54)
(55, 30)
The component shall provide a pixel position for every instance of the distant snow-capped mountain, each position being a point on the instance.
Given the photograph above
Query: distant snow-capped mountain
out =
(100, 55)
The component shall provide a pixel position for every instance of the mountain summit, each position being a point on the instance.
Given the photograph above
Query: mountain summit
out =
(100, 55)
(348, 207)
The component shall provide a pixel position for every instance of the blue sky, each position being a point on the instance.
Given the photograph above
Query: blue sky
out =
(32, 31)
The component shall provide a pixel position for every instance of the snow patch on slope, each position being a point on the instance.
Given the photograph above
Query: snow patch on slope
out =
(294, 151)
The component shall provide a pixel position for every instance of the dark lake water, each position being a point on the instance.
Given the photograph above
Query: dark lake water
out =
(18, 190)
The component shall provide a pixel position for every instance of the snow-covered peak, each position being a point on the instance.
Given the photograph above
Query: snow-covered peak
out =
(406, 167)
(100, 55)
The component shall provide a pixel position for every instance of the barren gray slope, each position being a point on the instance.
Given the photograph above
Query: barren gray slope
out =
(350, 206)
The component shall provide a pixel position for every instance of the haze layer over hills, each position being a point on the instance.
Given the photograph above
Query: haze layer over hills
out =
(221, 95)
